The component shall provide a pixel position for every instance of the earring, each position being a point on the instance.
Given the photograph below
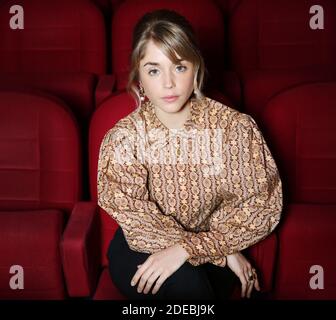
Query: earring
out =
(141, 93)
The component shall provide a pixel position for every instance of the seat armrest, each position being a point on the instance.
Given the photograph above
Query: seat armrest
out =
(80, 250)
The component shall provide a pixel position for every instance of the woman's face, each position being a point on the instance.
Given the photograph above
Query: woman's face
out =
(167, 85)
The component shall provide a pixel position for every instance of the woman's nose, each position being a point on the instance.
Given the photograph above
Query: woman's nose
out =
(168, 81)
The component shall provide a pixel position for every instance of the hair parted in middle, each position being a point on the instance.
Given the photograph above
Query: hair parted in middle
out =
(175, 36)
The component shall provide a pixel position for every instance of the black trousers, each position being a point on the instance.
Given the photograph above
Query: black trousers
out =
(189, 282)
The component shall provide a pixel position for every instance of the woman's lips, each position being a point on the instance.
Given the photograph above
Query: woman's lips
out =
(170, 98)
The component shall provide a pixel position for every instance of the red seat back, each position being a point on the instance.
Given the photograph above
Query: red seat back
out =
(276, 34)
(104, 118)
(300, 125)
(58, 36)
(40, 160)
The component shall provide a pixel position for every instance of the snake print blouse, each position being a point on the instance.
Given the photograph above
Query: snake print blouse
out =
(211, 186)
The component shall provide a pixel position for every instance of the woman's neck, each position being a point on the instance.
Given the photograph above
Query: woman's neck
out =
(174, 120)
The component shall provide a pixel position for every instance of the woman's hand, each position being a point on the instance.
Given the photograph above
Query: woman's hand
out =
(158, 267)
(244, 271)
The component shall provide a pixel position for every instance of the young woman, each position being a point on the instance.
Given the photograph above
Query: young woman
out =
(190, 181)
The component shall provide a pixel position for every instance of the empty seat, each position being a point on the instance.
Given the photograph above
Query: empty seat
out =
(40, 182)
(61, 50)
(301, 128)
(58, 36)
(273, 47)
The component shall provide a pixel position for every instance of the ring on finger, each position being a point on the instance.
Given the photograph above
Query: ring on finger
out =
(251, 277)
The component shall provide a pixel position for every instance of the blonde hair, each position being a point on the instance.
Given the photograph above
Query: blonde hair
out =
(175, 36)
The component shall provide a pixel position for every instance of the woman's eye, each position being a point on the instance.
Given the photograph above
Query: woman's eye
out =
(153, 72)
(181, 68)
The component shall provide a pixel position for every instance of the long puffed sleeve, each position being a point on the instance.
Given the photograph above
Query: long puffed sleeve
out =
(252, 196)
(123, 194)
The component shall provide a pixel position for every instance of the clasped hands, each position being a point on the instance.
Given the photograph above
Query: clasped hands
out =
(161, 265)
(158, 267)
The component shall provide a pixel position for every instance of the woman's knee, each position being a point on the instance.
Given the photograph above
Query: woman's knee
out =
(123, 264)
(188, 283)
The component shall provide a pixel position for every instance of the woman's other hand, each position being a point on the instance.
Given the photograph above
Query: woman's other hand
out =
(158, 267)
(245, 272)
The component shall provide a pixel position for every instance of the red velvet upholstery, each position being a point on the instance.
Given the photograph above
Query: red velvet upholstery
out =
(61, 50)
(31, 240)
(58, 36)
(106, 290)
(205, 17)
(76, 89)
(262, 85)
(105, 117)
(273, 48)
(301, 127)
(307, 239)
(80, 249)
(275, 34)
(39, 184)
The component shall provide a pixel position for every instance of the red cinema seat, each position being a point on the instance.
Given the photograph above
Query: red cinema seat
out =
(58, 36)
(79, 252)
(90, 229)
(301, 127)
(40, 182)
(61, 50)
(273, 47)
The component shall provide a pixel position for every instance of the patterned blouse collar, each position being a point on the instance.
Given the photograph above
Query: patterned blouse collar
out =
(195, 121)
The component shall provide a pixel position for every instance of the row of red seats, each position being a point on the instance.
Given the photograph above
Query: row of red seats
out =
(253, 49)
(257, 51)
(40, 193)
